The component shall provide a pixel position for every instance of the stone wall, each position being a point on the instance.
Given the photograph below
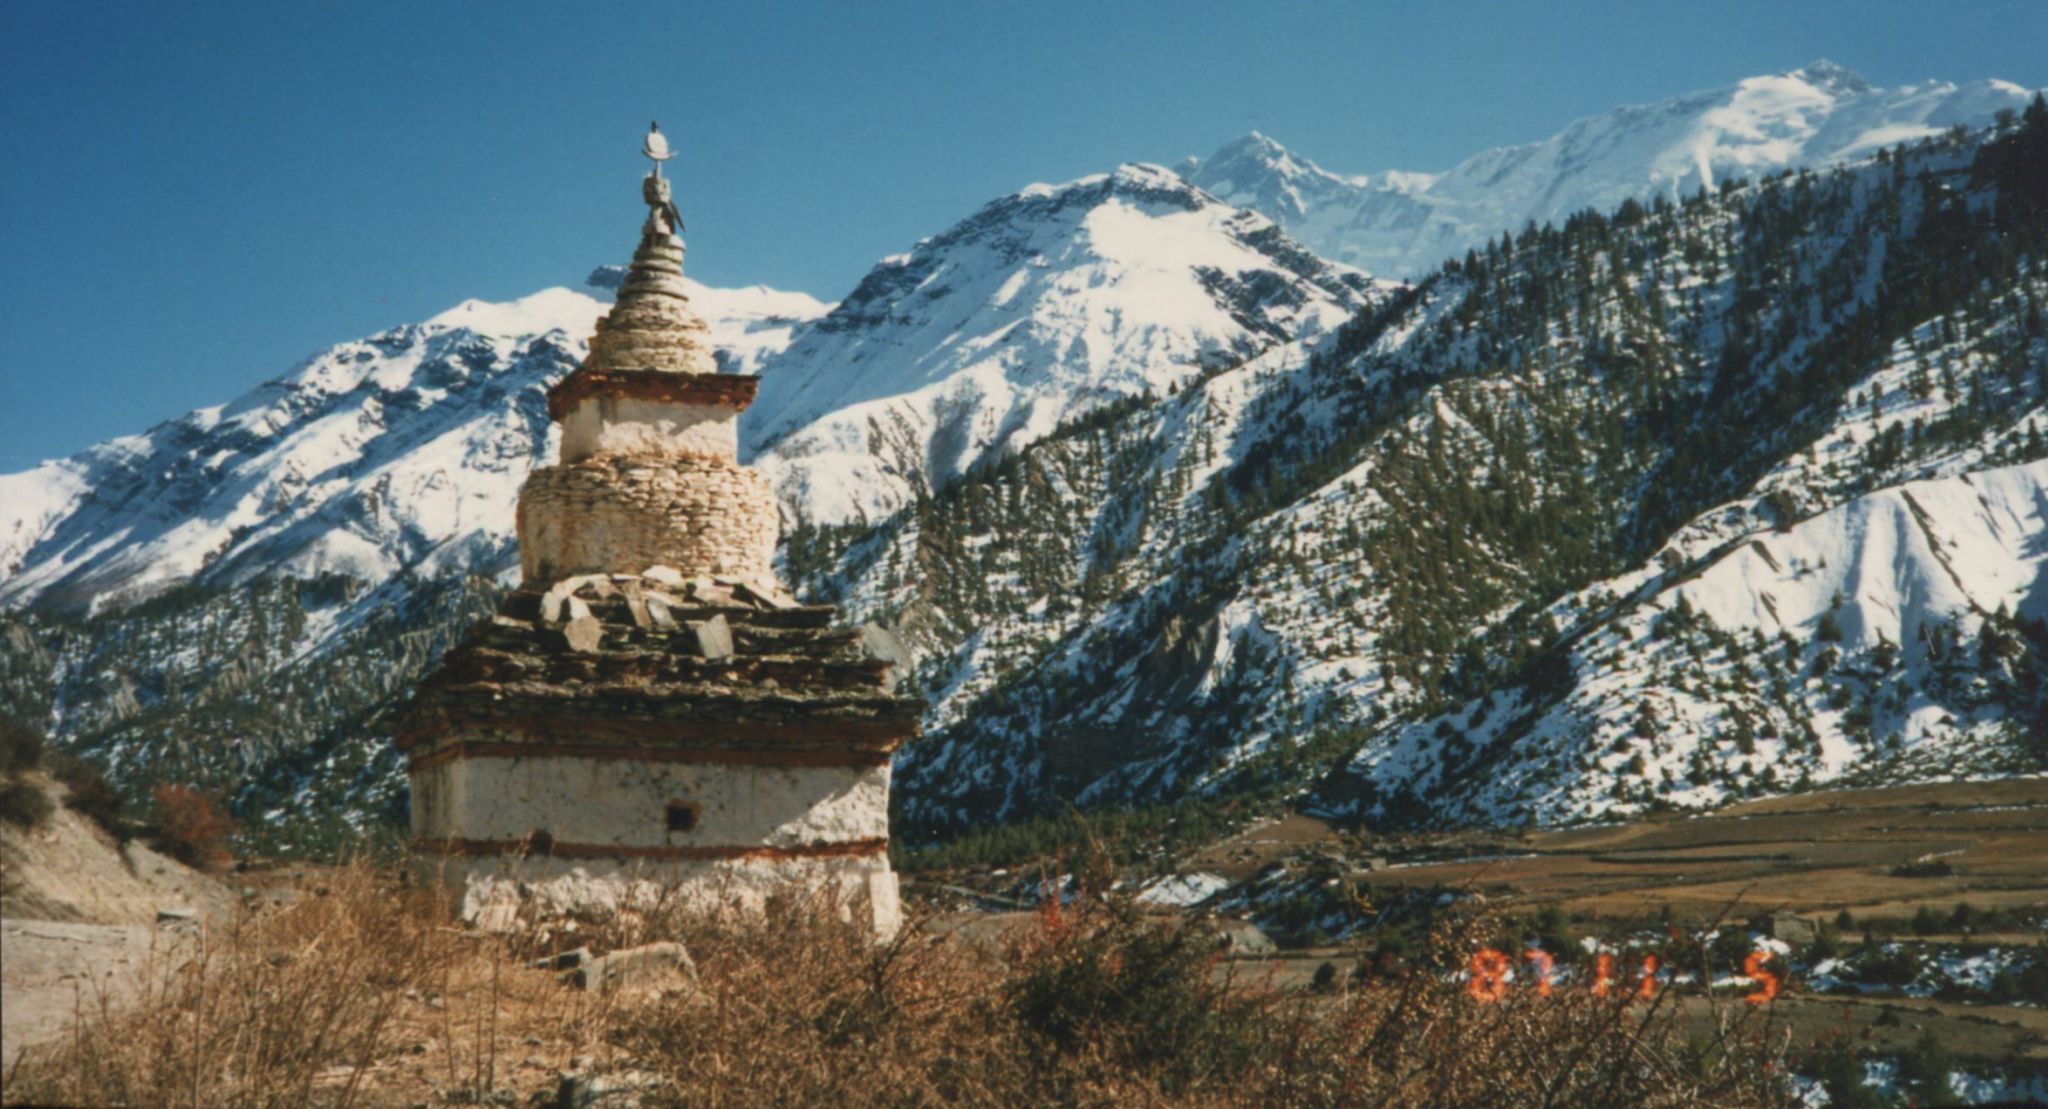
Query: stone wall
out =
(629, 425)
(701, 514)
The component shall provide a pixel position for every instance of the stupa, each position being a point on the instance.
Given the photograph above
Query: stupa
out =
(650, 712)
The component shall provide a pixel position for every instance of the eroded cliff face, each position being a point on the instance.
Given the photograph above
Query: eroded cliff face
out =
(70, 869)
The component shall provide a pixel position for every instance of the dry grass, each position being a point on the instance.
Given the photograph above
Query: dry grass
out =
(366, 996)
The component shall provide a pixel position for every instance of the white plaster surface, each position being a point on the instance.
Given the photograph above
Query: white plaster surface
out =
(630, 425)
(624, 802)
(497, 893)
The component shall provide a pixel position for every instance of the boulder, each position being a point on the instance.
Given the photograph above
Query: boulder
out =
(564, 960)
(619, 1090)
(881, 644)
(584, 633)
(1242, 937)
(654, 965)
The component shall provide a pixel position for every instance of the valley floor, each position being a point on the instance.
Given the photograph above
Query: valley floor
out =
(1815, 853)
(1880, 856)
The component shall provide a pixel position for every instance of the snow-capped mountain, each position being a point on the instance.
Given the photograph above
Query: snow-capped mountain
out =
(1728, 497)
(1556, 532)
(1400, 224)
(403, 451)
(1861, 645)
(1035, 310)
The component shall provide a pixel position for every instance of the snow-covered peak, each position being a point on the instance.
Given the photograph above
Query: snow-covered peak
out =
(554, 309)
(1822, 73)
(1398, 223)
(1040, 306)
(402, 451)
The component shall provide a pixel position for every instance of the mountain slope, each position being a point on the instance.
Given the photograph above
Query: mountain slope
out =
(403, 451)
(1428, 564)
(1038, 308)
(1397, 541)
(1404, 224)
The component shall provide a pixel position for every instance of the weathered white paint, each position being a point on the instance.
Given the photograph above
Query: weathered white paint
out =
(496, 893)
(624, 802)
(630, 425)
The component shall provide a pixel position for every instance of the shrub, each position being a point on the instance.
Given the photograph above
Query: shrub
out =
(1924, 1071)
(1837, 1067)
(1926, 921)
(21, 746)
(24, 804)
(1924, 868)
(90, 795)
(190, 827)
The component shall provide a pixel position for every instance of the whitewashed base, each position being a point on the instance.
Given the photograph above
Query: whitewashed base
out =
(497, 893)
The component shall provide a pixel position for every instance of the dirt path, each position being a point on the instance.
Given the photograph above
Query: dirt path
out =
(50, 969)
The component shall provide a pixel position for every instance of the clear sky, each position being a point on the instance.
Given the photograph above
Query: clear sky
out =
(194, 197)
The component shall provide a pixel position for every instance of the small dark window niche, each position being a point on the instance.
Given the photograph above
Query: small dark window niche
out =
(682, 816)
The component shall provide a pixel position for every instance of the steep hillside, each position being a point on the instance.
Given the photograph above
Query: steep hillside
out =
(1400, 224)
(1037, 309)
(70, 869)
(1381, 542)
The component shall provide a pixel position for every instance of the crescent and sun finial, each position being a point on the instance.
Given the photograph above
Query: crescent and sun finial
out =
(655, 147)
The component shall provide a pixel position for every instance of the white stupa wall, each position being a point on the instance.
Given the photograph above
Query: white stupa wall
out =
(496, 892)
(582, 803)
(650, 428)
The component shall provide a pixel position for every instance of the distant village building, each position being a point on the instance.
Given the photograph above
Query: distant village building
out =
(651, 708)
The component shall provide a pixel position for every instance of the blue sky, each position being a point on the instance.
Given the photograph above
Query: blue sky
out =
(195, 197)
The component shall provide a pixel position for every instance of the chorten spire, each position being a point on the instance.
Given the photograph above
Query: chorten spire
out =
(651, 327)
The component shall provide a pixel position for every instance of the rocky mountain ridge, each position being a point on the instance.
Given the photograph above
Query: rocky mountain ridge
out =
(1403, 224)
(1033, 311)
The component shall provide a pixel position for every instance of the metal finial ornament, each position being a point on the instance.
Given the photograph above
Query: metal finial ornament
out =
(656, 146)
(662, 217)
